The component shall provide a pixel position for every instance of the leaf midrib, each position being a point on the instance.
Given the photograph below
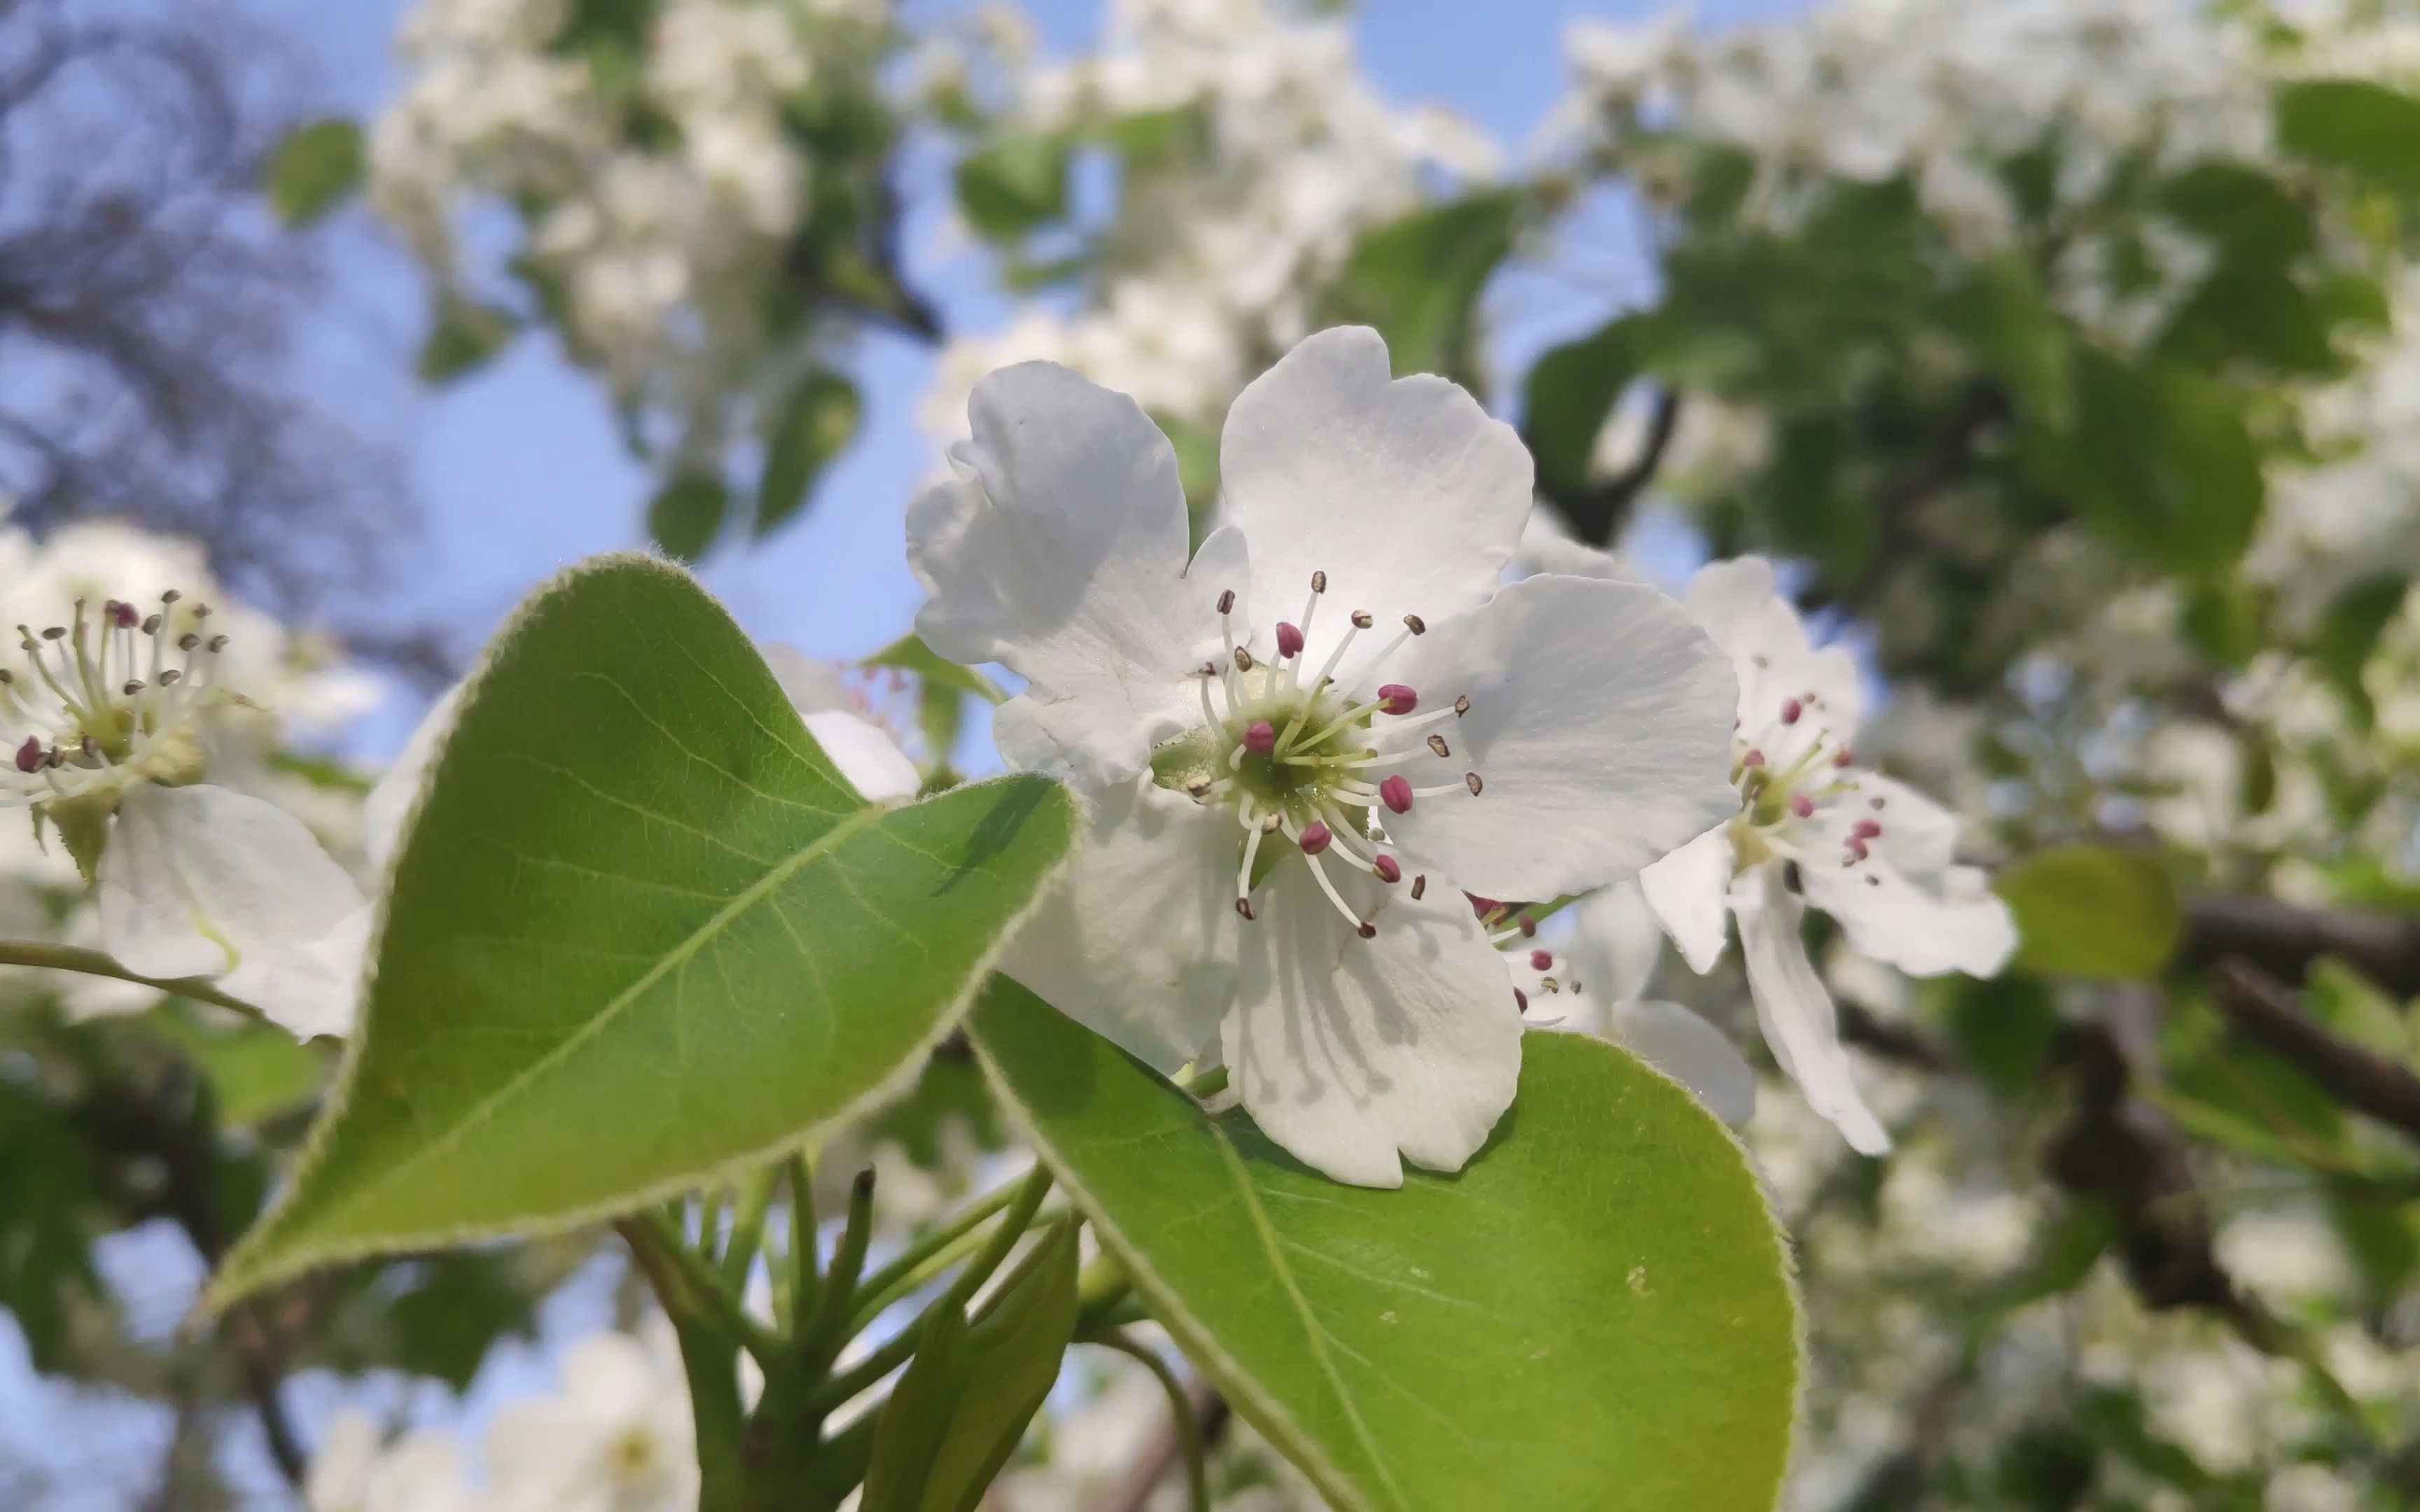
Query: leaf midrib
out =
(671, 960)
(1314, 1329)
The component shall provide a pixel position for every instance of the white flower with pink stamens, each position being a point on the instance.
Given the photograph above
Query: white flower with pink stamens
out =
(107, 729)
(1305, 740)
(1872, 852)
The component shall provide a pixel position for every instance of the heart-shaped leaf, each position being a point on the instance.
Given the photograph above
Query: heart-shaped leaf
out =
(1596, 1312)
(639, 934)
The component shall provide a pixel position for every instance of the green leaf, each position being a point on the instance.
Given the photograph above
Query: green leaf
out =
(2092, 911)
(46, 1182)
(2004, 314)
(1014, 186)
(909, 653)
(916, 1417)
(1013, 1354)
(817, 420)
(1418, 280)
(2162, 465)
(2366, 127)
(687, 514)
(255, 1070)
(1598, 1307)
(464, 336)
(315, 169)
(1570, 392)
(640, 935)
(2242, 208)
(2005, 1027)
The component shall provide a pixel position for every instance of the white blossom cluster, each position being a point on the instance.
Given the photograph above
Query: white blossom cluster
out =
(1221, 246)
(660, 187)
(614, 1435)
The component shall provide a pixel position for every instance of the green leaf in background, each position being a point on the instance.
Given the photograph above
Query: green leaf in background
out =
(2244, 209)
(813, 425)
(464, 336)
(315, 169)
(2353, 124)
(255, 1071)
(2092, 911)
(2004, 314)
(687, 514)
(1418, 281)
(1595, 1312)
(640, 934)
(1012, 1356)
(942, 686)
(1571, 393)
(2161, 465)
(1014, 186)
(46, 1186)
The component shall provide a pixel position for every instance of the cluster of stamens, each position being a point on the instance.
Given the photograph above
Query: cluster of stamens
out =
(1316, 759)
(106, 699)
(1777, 800)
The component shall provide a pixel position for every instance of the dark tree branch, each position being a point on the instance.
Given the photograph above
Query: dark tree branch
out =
(2282, 940)
(1597, 514)
(175, 1127)
(2263, 1010)
(1163, 1453)
(1897, 1043)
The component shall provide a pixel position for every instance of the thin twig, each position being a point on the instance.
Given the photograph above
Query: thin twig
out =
(95, 964)
(2263, 1010)
(2282, 940)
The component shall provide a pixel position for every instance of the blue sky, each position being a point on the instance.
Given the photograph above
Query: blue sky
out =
(517, 471)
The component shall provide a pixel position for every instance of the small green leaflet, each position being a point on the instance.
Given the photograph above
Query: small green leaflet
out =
(1597, 1312)
(640, 934)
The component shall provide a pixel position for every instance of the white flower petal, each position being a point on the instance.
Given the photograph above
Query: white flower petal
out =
(202, 881)
(1736, 602)
(1801, 1026)
(1346, 1050)
(1918, 836)
(1600, 723)
(1616, 942)
(1956, 923)
(866, 756)
(1690, 891)
(1692, 1052)
(389, 803)
(1060, 553)
(1137, 942)
(1403, 491)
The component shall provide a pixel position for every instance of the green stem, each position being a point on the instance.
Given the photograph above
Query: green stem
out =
(893, 1353)
(747, 1229)
(708, 1361)
(1021, 1209)
(891, 1284)
(1180, 1406)
(944, 1235)
(803, 1262)
(95, 964)
(820, 1338)
(688, 1287)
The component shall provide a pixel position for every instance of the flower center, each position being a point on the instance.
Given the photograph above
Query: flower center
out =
(107, 701)
(1313, 764)
(1789, 774)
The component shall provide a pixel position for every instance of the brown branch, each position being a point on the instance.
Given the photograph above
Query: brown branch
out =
(2282, 940)
(1897, 1043)
(2263, 1010)
(1596, 514)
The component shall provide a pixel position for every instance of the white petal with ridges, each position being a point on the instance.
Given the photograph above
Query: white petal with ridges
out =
(203, 881)
(1137, 942)
(1801, 1026)
(1346, 1051)
(1600, 724)
(1404, 491)
(1689, 891)
(1060, 551)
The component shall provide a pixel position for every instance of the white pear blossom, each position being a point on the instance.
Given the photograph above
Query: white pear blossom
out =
(107, 723)
(616, 1438)
(1872, 852)
(1594, 982)
(1307, 739)
(357, 1470)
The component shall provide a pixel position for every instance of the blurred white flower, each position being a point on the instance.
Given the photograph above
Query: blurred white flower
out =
(615, 1437)
(357, 1470)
